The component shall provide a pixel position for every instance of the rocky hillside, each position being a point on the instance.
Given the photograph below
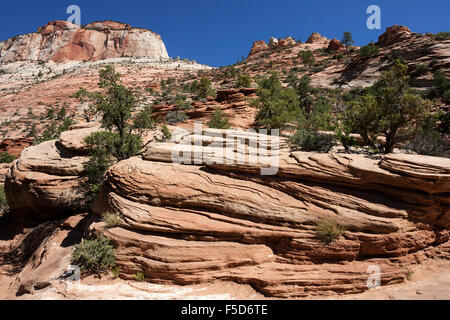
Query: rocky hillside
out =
(61, 41)
(338, 68)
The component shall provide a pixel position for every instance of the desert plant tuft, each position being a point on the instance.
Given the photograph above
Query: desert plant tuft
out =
(219, 120)
(308, 140)
(94, 256)
(329, 231)
(3, 201)
(139, 276)
(244, 81)
(368, 51)
(167, 135)
(112, 219)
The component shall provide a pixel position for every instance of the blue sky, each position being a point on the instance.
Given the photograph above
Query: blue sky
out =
(219, 32)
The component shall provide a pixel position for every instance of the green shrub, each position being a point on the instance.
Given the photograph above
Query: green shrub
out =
(441, 87)
(139, 276)
(115, 272)
(218, 120)
(143, 120)
(166, 133)
(368, 51)
(328, 231)
(277, 105)
(244, 81)
(421, 69)
(112, 219)
(307, 57)
(3, 202)
(426, 142)
(308, 140)
(5, 157)
(390, 107)
(175, 117)
(94, 256)
(204, 89)
(440, 36)
(117, 142)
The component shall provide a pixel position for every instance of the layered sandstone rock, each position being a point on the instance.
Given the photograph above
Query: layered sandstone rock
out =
(44, 183)
(258, 46)
(219, 219)
(15, 146)
(61, 41)
(394, 34)
(336, 45)
(317, 38)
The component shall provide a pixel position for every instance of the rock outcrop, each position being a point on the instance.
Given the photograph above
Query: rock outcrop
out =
(15, 146)
(394, 34)
(60, 41)
(221, 220)
(317, 38)
(336, 45)
(258, 46)
(214, 217)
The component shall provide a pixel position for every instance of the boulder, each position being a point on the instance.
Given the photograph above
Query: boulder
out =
(273, 43)
(317, 38)
(336, 45)
(258, 46)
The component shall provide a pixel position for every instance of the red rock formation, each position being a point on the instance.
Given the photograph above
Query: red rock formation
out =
(258, 46)
(60, 41)
(394, 34)
(317, 38)
(187, 224)
(15, 146)
(336, 45)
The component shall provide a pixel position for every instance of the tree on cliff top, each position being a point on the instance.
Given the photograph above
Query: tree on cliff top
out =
(118, 141)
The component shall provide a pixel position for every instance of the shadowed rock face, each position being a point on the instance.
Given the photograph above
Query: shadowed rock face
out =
(60, 41)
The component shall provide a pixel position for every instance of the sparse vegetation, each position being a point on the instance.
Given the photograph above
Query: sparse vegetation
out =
(368, 51)
(112, 219)
(440, 36)
(139, 276)
(3, 202)
(308, 58)
(219, 120)
(175, 117)
(118, 141)
(166, 133)
(94, 256)
(244, 81)
(347, 39)
(5, 157)
(328, 231)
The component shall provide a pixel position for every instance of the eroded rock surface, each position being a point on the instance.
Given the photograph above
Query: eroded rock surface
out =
(187, 224)
(61, 41)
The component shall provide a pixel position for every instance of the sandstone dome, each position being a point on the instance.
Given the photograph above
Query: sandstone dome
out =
(61, 41)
